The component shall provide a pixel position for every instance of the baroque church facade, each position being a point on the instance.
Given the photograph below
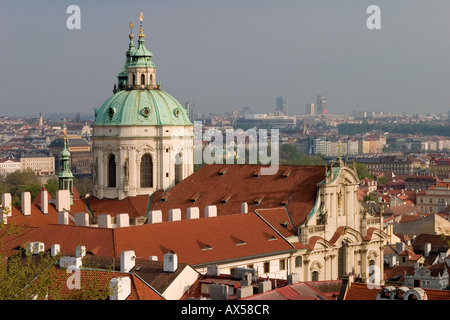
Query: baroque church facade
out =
(142, 136)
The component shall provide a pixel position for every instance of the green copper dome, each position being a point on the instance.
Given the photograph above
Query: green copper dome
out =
(141, 108)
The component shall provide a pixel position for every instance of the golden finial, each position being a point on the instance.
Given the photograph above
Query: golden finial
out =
(131, 30)
(141, 33)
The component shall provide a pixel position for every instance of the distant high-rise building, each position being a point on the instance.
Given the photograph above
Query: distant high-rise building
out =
(309, 109)
(322, 105)
(190, 107)
(282, 105)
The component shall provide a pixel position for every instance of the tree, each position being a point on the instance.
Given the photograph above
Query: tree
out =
(25, 275)
(22, 181)
(363, 172)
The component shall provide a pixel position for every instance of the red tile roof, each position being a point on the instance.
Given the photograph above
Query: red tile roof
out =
(361, 291)
(239, 183)
(195, 241)
(134, 206)
(97, 279)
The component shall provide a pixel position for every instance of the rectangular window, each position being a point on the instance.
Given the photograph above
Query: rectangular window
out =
(266, 267)
(283, 264)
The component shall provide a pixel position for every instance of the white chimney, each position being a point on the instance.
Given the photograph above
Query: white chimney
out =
(210, 211)
(127, 260)
(6, 203)
(170, 262)
(392, 261)
(122, 220)
(82, 219)
(80, 251)
(154, 216)
(63, 217)
(55, 250)
(120, 288)
(426, 249)
(174, 214)
(66, 261)
(62, 200)
(104, 221)
(193, 213)
(44, 201)
(35, 247)
(26, 203)
(244, 207)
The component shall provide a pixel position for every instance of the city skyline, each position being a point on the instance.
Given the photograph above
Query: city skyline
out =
(228, 55)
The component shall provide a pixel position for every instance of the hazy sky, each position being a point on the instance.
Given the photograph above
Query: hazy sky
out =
(228, 54)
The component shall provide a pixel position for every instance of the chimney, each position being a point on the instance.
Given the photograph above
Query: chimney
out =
(120, 288)
(210, 211)
(293, 278)
(35, 247)
(44, 201)
(393, 261)
(122, 220)
(174, 214)
(170, 262)
(62, 200)
(26, 203)
(80, 251)
(399, 247)
(193, 213)
(55, 250)
(154, 216)
(82, 219)
(127, 260)
(66, 262)
(63, 217)
(426, 249)
(213, 270)
(264, 286)
(6, 204)
(244, 207)
(104, 221)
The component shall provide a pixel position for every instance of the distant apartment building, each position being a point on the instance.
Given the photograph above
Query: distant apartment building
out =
(399, 165)
(264, 120)
(81, 157)
(371, 144)
(440, 168)
(352, 147)
(309, 109)
(281, 105)
(190, 107)
(9, 166)
(42, 164)
(322, 105)
(318, 146)
(435, 198)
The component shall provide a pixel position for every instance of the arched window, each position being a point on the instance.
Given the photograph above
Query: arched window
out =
(298, 261)
(134, 79)
(142, 78)
(315, 276)
(146, 171)
(342, 259)
(151, 79)
(112, 171)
